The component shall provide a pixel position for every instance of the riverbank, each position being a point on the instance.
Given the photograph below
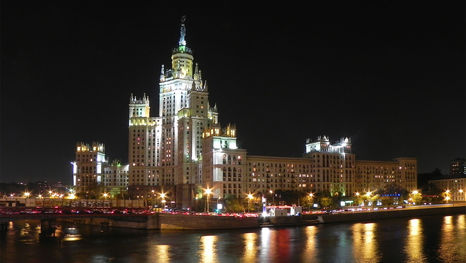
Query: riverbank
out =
(384, 214)
(164, 221)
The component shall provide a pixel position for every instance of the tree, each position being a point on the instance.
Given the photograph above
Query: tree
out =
(325, 202)
(415, 197)
(234, 204)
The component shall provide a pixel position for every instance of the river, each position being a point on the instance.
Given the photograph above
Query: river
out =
(422, 239)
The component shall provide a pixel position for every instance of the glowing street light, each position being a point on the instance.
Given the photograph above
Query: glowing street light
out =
(273, 196)
(357, 193)
(105, 195)
(27, 194)
(207, 191)
(368, 194)
(461, 190)
(415, 192)
(72, 196)
(311, 195)
(162, 195)
(250, 197)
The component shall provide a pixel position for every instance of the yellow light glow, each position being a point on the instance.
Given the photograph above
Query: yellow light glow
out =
(311, 195)
(105, 195)
(368, 194)
(415, 192)
(208, 191)
(71, 196)
(461, 190)
(250, 196)
(357, 194)
(162, 195)
(447, 198)
(27, 194)
(447, 191)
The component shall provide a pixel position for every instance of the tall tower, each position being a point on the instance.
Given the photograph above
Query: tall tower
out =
(167, 150)
(143, 142)
(185, 113)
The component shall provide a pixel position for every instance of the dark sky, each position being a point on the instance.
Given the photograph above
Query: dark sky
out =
(391, 75)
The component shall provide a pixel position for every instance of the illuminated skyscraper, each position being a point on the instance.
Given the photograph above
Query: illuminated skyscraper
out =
(166, 150)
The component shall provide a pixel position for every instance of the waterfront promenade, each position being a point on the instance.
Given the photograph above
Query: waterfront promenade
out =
(206, 221)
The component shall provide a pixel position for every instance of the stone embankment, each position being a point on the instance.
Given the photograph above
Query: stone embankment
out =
(202, 222)
(385, 214)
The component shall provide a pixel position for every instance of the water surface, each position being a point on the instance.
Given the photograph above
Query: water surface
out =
(422, 239)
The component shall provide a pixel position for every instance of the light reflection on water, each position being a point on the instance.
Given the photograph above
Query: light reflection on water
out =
(423, 239)
(250, 247)
(364, 242)
(311, 243)
(208, 251)
(414, 241)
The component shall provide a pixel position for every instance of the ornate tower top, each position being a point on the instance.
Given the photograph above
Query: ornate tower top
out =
(182, 41)
(182, 48)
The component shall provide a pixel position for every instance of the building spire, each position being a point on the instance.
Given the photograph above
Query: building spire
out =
(182, 41)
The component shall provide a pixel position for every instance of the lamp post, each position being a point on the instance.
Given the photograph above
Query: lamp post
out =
(250, 197)
(311, 196)
(163, 195)
(208, 191)
(447, 195)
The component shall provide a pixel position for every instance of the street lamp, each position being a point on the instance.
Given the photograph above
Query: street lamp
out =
(27, 194)
(163, 195)
(357, 193)
(250, 197)
(105, 195)
(207, 191)
(311, 196)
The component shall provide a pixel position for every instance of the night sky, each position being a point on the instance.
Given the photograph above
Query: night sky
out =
(390, 75)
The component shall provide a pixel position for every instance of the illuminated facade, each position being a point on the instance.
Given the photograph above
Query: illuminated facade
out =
(115, 175)
(92, 169)
(88, 166)
(373, 175)
(455, 188)
(185, 146)
(167, 150)
(224, 165)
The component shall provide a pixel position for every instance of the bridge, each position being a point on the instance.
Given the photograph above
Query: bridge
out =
(50, 218)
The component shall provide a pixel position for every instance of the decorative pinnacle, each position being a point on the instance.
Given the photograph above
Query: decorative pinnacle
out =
(182, 41)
